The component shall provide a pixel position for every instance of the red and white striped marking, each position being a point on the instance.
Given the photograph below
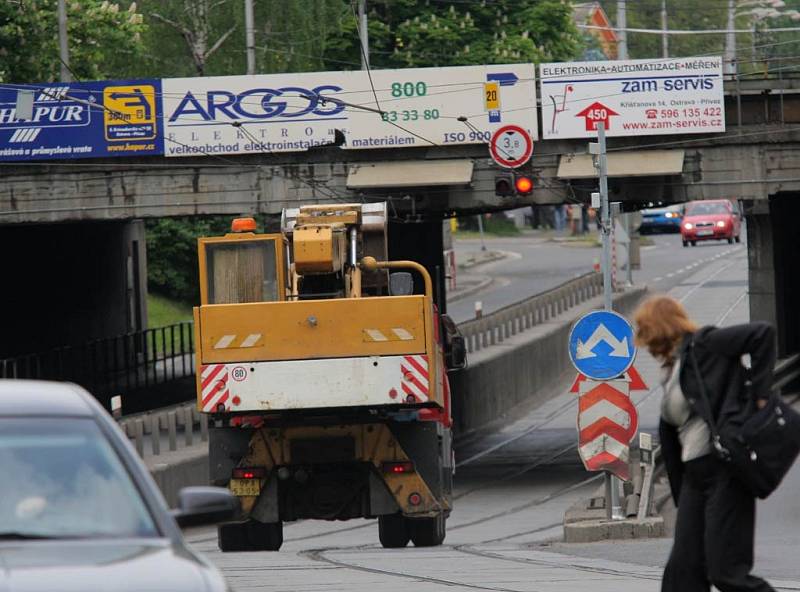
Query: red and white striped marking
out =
(213, 386)
(607, 422)
(415, 382)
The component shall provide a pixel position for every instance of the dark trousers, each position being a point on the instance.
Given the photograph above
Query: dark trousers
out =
(713, 534)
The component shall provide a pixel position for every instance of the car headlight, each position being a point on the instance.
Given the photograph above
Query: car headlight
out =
(688, 226)
(720, 223)
(670, 215)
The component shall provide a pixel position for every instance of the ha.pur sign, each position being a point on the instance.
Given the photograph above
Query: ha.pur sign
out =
(632, 98)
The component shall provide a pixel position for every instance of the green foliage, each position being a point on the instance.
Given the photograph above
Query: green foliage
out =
(766, 52)
(162, 311)
(104, 39)
(407, 33)
(172, 254)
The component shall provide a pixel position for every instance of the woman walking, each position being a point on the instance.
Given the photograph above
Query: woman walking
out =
(715, 526)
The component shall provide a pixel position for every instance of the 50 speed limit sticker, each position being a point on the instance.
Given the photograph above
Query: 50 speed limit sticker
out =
(511, 146)
(239, 373)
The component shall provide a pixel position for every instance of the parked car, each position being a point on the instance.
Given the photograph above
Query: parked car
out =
(716, 219)
(666, 219)
(80, 511)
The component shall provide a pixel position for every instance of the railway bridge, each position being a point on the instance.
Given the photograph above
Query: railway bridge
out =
(73, 238)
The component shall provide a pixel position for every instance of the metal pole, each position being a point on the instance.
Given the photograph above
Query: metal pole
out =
(364, 33)
(664, 36)
(480, 230)
(63, 45)
(250, 36)
(622, 33)
(605, 217)
(730, 40)
(613, 507)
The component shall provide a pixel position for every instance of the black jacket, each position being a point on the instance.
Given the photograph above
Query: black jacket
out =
(718, 352)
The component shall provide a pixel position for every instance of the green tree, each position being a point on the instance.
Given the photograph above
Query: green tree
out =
(172, 254)
(104, 39)
(407, 33)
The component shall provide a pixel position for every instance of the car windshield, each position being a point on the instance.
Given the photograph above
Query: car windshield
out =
(705, 209)
(62, 479)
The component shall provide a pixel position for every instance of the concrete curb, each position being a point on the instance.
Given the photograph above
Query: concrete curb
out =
(471, 290)
(590, 531)
(490, 257)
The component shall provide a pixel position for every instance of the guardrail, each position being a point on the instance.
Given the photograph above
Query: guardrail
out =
(169, 428)
(114, 365)
(498, 326)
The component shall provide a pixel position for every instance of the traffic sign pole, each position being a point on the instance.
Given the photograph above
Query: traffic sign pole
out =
(613, 506)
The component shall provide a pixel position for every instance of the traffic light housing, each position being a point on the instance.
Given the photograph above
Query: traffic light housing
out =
(512, 184)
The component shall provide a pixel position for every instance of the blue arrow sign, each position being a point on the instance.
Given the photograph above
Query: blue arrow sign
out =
(601, 345)
(504, 78)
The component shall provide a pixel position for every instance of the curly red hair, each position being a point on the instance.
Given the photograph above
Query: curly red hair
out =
(661, 323)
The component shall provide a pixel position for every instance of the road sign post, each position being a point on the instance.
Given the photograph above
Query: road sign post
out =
(613, 505)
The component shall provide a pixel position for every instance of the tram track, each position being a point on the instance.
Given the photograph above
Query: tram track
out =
(549, 419)
(472, 548)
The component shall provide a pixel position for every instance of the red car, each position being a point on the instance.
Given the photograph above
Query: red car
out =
(716, 219)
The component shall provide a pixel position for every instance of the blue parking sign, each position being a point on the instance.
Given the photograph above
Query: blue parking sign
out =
(601, 345)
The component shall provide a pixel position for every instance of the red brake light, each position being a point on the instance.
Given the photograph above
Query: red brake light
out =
(249, 473)
(398, 467)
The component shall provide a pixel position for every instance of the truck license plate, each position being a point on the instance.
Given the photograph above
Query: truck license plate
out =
(244, 487)
(705, 232)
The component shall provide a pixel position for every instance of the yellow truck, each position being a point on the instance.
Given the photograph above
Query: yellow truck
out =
(323, 367)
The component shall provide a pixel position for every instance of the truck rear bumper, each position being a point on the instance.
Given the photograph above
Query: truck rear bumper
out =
(310, 384)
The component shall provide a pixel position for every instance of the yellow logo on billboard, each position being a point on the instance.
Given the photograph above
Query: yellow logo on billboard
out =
(129, 112)
(491, 93)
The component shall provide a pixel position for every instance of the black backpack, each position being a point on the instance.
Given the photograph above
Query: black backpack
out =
(760, 445)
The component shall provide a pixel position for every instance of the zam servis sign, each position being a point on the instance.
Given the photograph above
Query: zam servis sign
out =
(633, 97)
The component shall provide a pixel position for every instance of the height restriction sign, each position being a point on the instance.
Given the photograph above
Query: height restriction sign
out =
(511, 146)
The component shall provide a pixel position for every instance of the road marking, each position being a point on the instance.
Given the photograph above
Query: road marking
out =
(658, 279)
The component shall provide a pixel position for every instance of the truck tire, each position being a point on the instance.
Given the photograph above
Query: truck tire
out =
(428, 532)
(393, 531)
(250, 536)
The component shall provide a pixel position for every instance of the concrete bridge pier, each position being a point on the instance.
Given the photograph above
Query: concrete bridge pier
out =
(71, 283)
(774, 265)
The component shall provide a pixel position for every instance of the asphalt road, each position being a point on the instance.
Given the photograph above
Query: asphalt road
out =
(514, 483)
(536, 263)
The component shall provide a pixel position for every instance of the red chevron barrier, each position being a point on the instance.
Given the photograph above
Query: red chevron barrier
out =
(607, 422)
(635, 381)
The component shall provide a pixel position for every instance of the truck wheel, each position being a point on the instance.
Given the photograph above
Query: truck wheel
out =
(738, 238)
(393, 531)
(428, 532)
(250, 536)
(730, 241)
(685, 243)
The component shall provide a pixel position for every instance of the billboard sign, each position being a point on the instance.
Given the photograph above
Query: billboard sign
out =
(295, 112)
(82, 120)
(632, 97)
(422, 106)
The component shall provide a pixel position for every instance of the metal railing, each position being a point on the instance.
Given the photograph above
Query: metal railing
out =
(502, 324)
(114, 365)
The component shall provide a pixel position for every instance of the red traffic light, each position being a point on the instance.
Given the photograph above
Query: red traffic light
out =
(523, 185)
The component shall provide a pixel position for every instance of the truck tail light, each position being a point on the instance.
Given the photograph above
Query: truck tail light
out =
(398, 467)
(249, 473)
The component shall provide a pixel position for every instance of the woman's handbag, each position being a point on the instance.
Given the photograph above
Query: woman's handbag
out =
(760, 444)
